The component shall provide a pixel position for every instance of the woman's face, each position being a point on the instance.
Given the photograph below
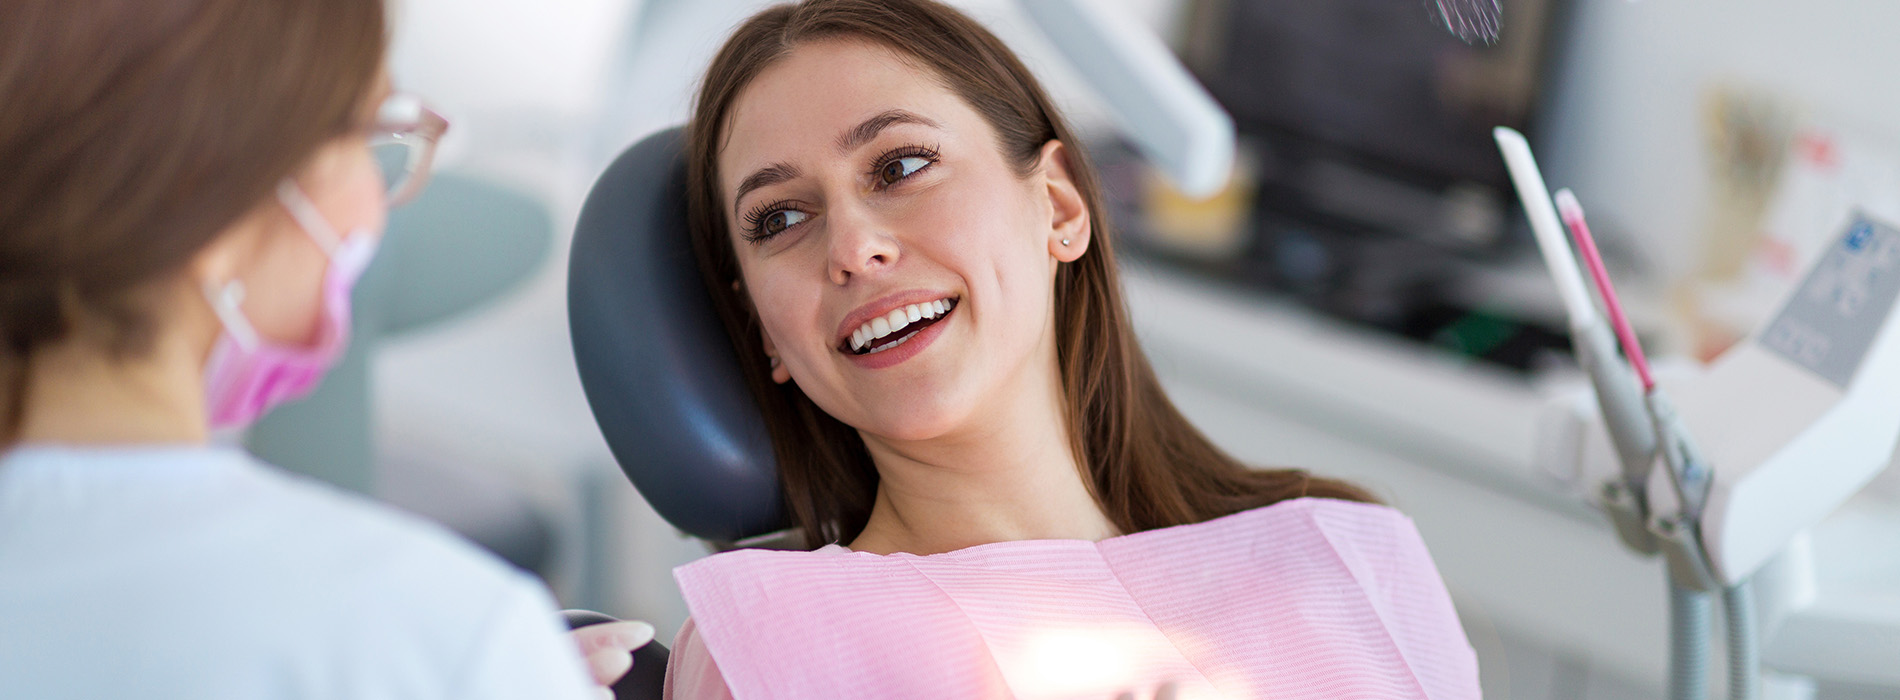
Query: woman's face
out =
(901, 267)
(284, 278)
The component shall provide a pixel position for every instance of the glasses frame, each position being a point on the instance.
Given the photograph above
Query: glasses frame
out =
(420, 129)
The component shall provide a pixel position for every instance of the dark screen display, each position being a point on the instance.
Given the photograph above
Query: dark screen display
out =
(1376, 79)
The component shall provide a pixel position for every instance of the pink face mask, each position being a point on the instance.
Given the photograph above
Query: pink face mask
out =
(247, 374)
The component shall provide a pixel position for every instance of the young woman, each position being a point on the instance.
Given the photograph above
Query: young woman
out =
(188, 197)
(901, 231)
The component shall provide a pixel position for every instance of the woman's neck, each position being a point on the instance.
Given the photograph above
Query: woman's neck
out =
(1013, 477)
(80, 394)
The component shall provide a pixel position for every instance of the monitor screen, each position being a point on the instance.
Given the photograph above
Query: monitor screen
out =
(1363, 103)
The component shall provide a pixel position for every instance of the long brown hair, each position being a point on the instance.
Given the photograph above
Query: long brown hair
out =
(1147, 466)
(133, 133)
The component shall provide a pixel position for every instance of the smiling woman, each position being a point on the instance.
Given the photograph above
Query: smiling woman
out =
(894, 220)
(849, 159)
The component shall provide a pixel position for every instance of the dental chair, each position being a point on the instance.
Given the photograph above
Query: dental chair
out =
(659, 372)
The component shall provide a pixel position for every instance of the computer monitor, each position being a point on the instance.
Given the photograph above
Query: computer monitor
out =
(1366, 114)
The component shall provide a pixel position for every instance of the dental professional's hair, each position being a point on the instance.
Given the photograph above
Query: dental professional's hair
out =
(1147, 466)
(133, 133)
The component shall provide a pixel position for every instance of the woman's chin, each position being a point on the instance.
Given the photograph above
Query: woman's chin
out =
(913, 423)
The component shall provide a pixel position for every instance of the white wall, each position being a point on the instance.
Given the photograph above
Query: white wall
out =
(1626, 131)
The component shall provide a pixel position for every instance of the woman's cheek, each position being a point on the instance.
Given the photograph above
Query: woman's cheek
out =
(791, 316)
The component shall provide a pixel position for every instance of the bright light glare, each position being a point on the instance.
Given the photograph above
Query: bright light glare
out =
(1071, 662)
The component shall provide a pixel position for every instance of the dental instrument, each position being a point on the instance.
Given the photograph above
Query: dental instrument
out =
(1571, 211)
(1618, 394)
(1690, 578)
(1627, 417)
(1829, 364)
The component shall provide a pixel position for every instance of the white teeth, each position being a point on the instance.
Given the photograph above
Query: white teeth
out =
(900, 341)
(898, 319)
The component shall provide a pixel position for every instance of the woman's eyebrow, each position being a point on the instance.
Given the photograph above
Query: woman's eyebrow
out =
(763, 177)
(869, 128)
(850, 140)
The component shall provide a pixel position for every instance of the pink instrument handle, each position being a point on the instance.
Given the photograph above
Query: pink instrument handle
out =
(1572, 213)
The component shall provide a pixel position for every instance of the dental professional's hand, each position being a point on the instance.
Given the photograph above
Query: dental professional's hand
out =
(608, 648)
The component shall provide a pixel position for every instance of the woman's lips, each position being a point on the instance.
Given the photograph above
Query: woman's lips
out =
(899, 347)
(897, 326)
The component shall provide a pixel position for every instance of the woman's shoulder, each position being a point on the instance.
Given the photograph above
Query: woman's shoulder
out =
(751, 557)
(1284, 518)
(1332, 506)
(1358, 523)
(1313, 504)
(1374, 542)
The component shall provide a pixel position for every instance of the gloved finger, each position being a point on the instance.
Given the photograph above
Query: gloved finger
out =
(626, 635)
(604, 693)
(608, 665)
(1165, 691)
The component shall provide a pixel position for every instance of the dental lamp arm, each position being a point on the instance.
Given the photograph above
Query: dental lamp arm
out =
(1155, 103)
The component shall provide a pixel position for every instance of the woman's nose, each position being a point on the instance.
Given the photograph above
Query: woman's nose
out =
(859, 244)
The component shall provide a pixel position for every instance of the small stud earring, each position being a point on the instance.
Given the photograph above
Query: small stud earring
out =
(775, 363)
(1065, 241)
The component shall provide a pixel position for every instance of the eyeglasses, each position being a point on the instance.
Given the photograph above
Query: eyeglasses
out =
(403, 145)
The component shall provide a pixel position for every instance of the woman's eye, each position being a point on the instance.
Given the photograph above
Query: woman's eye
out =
(900, 168)
(776, 222)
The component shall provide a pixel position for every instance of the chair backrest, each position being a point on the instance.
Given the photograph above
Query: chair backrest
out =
(660, 374)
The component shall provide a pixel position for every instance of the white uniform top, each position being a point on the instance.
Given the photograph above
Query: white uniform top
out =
(195, 572)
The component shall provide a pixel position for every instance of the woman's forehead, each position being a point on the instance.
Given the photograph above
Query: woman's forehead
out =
(801, 106)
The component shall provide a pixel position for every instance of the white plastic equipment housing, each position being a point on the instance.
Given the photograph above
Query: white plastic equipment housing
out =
(1786, 446)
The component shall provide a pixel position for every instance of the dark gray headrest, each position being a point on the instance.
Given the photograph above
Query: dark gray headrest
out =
(661, 376)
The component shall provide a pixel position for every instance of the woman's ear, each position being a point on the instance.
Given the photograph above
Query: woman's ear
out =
(1069, 225)
(780, 373)
(233, 250)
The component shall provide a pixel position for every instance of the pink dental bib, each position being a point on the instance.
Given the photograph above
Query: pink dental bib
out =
(1308, 598)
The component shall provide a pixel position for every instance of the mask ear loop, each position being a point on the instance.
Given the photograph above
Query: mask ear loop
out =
(307, 216)
(225, 302)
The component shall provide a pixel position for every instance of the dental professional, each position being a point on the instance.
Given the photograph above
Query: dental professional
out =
(187, 196)
(907, 246)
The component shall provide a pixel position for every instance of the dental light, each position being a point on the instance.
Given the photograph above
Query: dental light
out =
(1775, 435)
